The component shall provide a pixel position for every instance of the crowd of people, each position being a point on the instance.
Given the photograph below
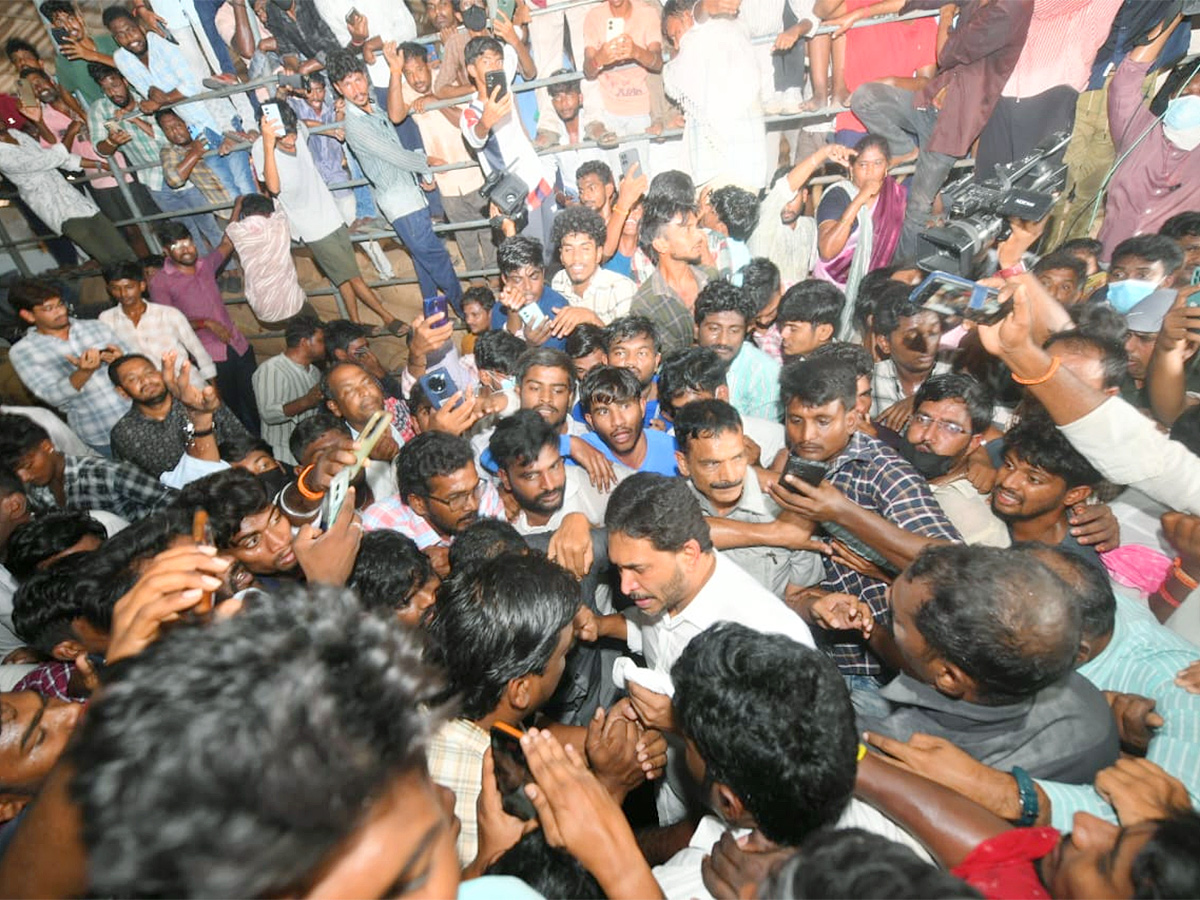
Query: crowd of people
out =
(711, 540)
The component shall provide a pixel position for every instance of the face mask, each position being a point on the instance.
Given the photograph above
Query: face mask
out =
(474, 18)
(1125, 295)
(272, 481)
(1181, 124)
(930, 465)
(508, 384)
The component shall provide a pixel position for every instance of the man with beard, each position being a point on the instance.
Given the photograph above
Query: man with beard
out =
(597, 295)
(612, 403)
(951, 413)
(723, 316)
(188, 282)
(154, 434)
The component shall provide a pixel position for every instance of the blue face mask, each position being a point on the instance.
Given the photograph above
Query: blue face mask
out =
(1125, 295)
(508, 384)
(1183, 113)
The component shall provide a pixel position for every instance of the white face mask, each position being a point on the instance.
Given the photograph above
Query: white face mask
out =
(1181, 124)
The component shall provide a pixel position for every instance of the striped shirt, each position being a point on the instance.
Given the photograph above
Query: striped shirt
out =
(1060, 45)
(202, 177)
(141, 149)
(277, 382)
(109, 485)
(169, 70)
(390, 168)
(162, 328)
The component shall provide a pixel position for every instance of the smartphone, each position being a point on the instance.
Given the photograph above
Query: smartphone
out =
(60, 35)
(25, 94)
(807, 470)
(492, 79)
(432, 307)
(508, 7)
(1193, 300)
(438, 386)
(512, 771)
(951, 295)
(270, 113)
(628, 159)
(614, 28)
(202, 534)
(531, 314)
(350, 15)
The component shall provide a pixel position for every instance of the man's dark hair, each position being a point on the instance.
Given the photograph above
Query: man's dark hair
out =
(50, 8)
(1114, 358)
(851, 862)
(26, 293)
(737, 209)
(585, 340)
(814, 301)
(496, 621)
(228, 497)
(18, 435)
(578, 219)
(563, 87)
(855, 355)
(1048, 449)
(483, 540)
(546, 357)
(1152, 248)
(1062, 260)
(256, 205)
(630, 326)
(1099, 320)
(99, 71)
(719, 296)
(1087, 245)
(413, 50)
(170, 231)
(595, 167)
(162, 114)
(115, 12)
(300, 327)
(692, 369)
(1184, 224)
(608, 384)
(339, 334)
(875, 281)
(477, 46)
(1088, 584)
(429, 455)
(47, 603)
(212, 739)
(551, 872)
(481, 294)
(287, 118)
(114, 367)
(9, 482)
(46, 536)
(659, 509)
(312, 428)
(499, 351)
(234, 448)
(1013, 639)
(15, 45)
(954, 386)
(704, 419)
(126, 270)
(388, 571)
(657, 213)
(340, 63)
(520, 438)
(673, 183)
(517, 252)
(1168, 865)
(760, 281)
(815, 382)
(35, 72)
(772, 721)
(1186, 430)
(892, 304)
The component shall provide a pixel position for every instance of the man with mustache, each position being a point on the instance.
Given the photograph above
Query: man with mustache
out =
(723, 316)
(612, 403)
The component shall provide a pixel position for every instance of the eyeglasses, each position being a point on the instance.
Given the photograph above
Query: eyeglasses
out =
(461, 500)
(951, 428)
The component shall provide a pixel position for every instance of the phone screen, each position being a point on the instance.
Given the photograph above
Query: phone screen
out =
(949, 295)
(512, 771)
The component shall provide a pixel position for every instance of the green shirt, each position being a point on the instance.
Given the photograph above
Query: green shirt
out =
(72, 74)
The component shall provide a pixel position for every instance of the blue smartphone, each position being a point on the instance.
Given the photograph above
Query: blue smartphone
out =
(432, 307)
(438, 387)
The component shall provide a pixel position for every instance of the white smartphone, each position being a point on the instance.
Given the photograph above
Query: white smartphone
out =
(614, 29)
(270, 113)
(531, 314)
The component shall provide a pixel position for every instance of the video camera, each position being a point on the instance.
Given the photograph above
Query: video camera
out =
(979, 210)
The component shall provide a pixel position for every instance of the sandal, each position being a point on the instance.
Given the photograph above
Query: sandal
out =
(607, 140)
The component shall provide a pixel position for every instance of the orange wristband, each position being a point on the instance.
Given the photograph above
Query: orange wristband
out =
(1183, 577)
(305, 492)
(1055, 362)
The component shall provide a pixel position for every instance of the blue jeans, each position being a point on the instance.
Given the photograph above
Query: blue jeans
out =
(233, 170)
(201, 226)
(364, 200)
(864, 696)
(410, 139)
(431, 260)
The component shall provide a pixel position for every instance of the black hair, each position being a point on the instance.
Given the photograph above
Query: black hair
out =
(1168, 865)
(1152, 248)
(233, 448)
(1114, 358)
(629, 326)
(9, 482)
(954, 386)
(308, 430)
(18, 436)
(126, 270)
(1060, 259)
(51, 8)
(520, 438)
(1048, 449)
(339, 334)
(517, 252)
(15, 45)
(772, 721)
(814, 301)
(114, 367)
(719, 296)
(202, 769)
(161, 114)
(1186, 430)
(598, 168)
(228, 497)
(477, 46)
(760, 281)
(546, 357)
(114, 12)
(287, 118)
(498, 351)
(893, 303)
(737, 209)
(481, 294)
(672, 9)
(99, 71)
(1089, 587)
(704, 419)
(563, 87)
(48, 602)
(692, 370)
(413, 50)
(551, 872)
(1013, 639)
(482, 540)
(35, 72)
(257, 205)
(498, 620)
(1087, 245)
(585, 340)
(26, 293)
(659, 211)
(300, 327)
(878, 141)
(1099, 320)
(856, 355)
(430, 454)
(48, 535)
(341, 63)
(851, 862)
(659, 509)
(816, 382)
(170, 231)
(315, 78)
(1184, 224)
(608, 384)
(869, 289)
(673, 183)
(578, 219)
(388, 571)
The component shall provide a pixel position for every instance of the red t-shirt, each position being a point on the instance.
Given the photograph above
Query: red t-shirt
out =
(1001, 868)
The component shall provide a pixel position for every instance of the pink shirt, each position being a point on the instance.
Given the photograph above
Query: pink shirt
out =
(198, 297)
(1061, 45)
(264, 245)
(59, 122)
(624, 87)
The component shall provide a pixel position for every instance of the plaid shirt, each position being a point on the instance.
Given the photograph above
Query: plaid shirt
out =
(886, 389)
(456, 762)
(141, 149)
(394, 514)
(41, 363)
(671, 316)
(770, 342)
(51, 680)
(169, 70)
(92, 482)
(202, 176)
(873, 476)
(608, 294)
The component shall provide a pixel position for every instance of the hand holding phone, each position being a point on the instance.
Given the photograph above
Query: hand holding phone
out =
(950, 295)
(807, 470)
(512, 771)
(435, 308)
(494, 80)
(438, 386)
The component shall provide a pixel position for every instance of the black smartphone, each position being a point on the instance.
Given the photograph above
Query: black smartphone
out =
(438, 386)
(432, 307)
(492, 79)
(628, 159)
(512, 771)
(806, 470)
(60, 35)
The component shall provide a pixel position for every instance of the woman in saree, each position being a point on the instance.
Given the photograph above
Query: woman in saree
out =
(859, 221)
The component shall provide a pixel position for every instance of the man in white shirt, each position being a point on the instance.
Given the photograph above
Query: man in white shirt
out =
(597, 295)
(287, 387)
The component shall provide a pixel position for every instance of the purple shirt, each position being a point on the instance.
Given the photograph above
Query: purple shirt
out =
(198, 297)
(1158, 179)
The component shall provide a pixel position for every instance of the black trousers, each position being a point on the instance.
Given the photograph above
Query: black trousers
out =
(237, 393)
(1017, 126)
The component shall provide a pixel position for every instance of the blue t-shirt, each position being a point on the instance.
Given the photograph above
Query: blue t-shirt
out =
(546, 303)
(660, 451)
(621, 264)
